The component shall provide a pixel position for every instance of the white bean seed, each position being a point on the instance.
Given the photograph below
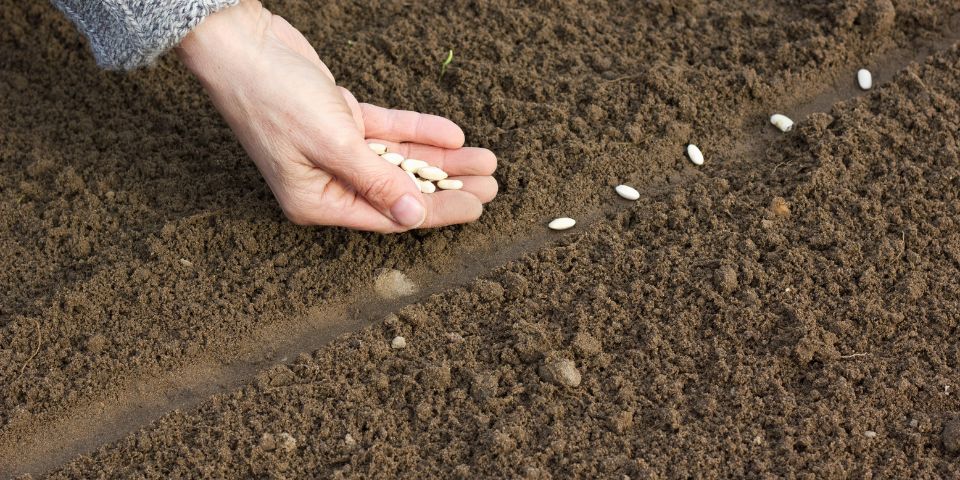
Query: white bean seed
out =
(627, 192)
(378, 148)
(562, 223)
(412, 165)
(449, 184)
(432, 173)
(864, 78)
(393, 157)
(782, 122)
(696, 156)
(427, 186)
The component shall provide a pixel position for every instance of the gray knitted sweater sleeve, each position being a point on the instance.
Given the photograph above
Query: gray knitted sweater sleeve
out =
(126, 34)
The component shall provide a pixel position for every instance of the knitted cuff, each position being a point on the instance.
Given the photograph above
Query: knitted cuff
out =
(126, 34)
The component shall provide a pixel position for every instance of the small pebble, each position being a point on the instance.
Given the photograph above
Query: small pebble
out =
(870, 434)
(427, 186)
(561, 372)
(398, 342)
(627, 192)
(349, 440)
(696, 156)
(412, 165)
(562, 223)
(393, 157)
(782, 122)
(378, 148)
(449, 184)
(914, 423)
(431, 173)
(864, 78)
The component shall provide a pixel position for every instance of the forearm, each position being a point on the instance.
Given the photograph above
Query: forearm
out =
(126, 34)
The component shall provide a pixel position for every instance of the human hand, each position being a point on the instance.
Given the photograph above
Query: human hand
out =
(308, 137)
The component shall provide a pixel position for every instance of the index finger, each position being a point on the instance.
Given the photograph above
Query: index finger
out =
(408, 126)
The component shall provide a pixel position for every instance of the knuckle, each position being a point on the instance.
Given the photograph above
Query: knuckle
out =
(341, 145)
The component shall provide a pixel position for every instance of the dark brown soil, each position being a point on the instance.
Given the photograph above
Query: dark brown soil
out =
(754, 317)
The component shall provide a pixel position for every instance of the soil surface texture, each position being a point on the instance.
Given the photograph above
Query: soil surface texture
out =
(789, 309)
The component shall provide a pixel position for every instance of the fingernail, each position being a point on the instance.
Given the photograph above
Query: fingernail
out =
(408, 211)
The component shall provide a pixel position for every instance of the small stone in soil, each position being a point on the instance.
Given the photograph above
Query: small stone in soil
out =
(398, 342)
(561, 372)
(870, 434)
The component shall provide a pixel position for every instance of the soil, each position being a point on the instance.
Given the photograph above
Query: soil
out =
(756, 316)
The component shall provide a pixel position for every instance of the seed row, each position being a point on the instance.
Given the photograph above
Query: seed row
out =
(426, 177)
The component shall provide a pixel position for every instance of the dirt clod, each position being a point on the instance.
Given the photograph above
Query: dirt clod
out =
(779, 207)
(725, 279)
(484, 386)
(951, 436)
(561, 372)
(96, 343)
(393, 284)
(286, 442)
(586, 344)
(268, 442)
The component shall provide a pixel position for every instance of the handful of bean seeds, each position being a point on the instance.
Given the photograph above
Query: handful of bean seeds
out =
(428, 174)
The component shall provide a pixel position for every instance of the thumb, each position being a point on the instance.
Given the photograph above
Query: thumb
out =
(388, 188)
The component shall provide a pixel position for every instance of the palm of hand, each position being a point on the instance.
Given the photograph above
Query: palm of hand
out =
(308, 138)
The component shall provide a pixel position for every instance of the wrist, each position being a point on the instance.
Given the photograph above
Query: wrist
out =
(224, 40)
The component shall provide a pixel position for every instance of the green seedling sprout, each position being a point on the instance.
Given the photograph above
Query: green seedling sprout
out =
(443, 66)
